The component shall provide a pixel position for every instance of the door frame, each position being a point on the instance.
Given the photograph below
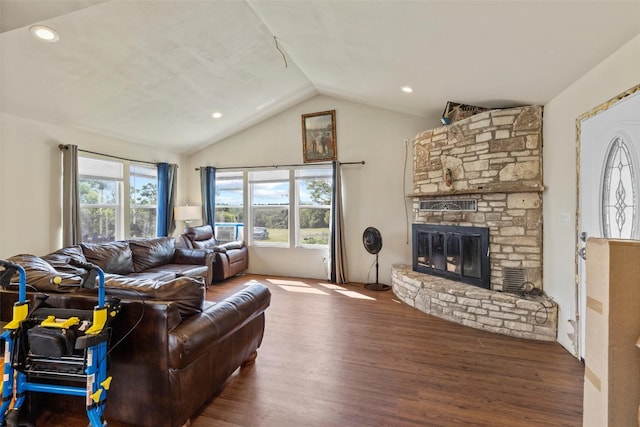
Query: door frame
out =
(580, 310)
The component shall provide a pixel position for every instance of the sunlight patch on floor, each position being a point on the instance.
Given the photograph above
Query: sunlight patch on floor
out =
(305, 288)
(300, 289)
(354, 294)
(332, 286)
(288, 282)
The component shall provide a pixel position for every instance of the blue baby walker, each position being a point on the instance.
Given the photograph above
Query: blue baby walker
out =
(56, 350)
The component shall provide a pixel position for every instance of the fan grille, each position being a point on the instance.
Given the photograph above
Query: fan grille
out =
(372, 240)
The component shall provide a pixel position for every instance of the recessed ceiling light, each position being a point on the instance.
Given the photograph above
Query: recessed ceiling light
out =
(407, 89)
(43, 33)
(216, 115)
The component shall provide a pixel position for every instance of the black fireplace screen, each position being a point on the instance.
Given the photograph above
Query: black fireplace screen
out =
(455, 252)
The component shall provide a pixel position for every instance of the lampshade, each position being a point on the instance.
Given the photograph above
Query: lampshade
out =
(187, 213)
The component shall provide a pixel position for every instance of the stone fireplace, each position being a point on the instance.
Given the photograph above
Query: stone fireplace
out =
(480, 173)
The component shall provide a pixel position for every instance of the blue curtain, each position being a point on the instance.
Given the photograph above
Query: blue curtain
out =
(166, 198)
(208, 192)
(337, 247)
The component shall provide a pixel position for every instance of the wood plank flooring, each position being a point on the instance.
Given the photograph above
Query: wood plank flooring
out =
(346, 356)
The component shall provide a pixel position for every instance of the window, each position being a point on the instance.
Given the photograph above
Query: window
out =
(313, 195)
(281, 206)
(143, 200)
(104, 209)
(619, 194)
(229, 206)
(269, 193)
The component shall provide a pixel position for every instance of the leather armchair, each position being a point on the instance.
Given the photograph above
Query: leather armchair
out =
(230, 258)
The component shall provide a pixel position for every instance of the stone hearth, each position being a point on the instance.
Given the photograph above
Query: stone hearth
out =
(493, 311)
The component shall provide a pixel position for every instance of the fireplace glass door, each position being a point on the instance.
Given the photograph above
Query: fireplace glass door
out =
(458, 253)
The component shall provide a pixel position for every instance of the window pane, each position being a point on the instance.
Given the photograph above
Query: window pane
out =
(105, 169)
(619, 195)
(98, 224)
(97, 192)
(315, 192)
(314, 187)
(143, 222)
(270, 193)
(271, 224)
(99, 184)
(314, 173)
(314, 226)
(270, 206)
(269, 175)
(229, 197)
(143, 186)
(143, 200)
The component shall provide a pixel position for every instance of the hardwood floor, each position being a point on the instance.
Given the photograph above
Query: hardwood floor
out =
(346, 356)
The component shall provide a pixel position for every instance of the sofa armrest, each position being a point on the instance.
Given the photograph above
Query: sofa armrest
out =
(238, 244)
(196, 257)
(193, 256)
(196, 334)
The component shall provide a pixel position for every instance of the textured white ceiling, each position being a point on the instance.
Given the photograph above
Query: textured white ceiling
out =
(153, 71)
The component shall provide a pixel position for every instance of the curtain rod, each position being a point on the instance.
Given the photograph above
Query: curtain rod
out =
(64, 147)
(361, 162)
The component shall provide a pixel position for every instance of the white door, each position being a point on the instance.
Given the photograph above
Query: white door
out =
(609, 183)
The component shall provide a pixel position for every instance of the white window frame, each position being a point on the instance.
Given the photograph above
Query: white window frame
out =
(238, 225)
(154, 173)
(298, 239)
(123, 195)
(252, 207)
(294, 239)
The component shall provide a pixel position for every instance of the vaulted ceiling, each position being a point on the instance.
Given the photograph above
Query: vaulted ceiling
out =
(153, 72)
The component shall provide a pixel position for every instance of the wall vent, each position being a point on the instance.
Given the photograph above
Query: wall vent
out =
(446, 205)
(513, 280)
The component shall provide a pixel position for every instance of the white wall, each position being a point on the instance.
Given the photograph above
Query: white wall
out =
(373, 192)
(30, 179)
(616, 74)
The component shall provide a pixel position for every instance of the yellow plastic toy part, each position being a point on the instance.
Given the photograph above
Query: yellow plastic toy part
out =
(20, 312)
(106, 383)
(96, 396)
(99, 320)
(51, 322)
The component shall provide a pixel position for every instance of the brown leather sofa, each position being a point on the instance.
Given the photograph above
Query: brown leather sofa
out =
(172, 351)
(154, 258)
(230, 258)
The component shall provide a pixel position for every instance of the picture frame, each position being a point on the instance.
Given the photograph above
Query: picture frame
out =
(319, 137)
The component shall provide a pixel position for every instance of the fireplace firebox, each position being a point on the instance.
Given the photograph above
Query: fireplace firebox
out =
(453, 252)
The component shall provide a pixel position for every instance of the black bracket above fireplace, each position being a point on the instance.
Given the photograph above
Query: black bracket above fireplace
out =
(453, 252)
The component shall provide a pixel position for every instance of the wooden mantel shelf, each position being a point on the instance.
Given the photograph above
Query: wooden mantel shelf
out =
(492, 189)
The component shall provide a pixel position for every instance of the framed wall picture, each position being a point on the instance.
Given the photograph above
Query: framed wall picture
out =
(319, 137)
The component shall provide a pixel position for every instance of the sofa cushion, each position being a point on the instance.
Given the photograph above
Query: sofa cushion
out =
(111, 257)
(40, 275)
(153, 274)
(185, 292)
(181, 269)
(204, 244)
(62, 259)
(149, 253)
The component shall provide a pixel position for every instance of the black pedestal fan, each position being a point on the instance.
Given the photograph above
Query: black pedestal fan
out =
(372, 240)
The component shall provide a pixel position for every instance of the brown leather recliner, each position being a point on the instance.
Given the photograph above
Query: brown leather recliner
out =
(230, 258)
